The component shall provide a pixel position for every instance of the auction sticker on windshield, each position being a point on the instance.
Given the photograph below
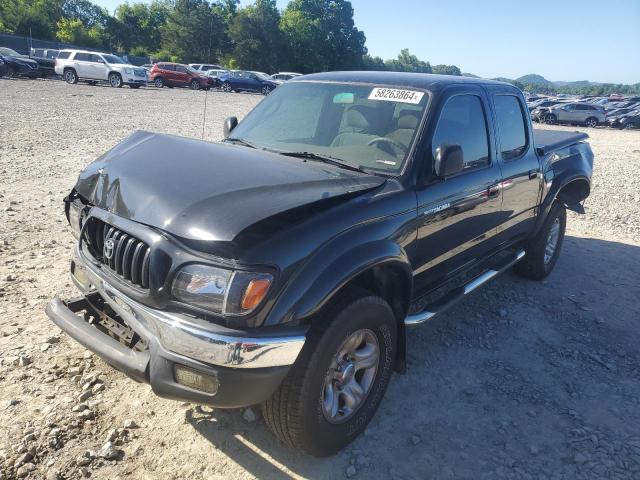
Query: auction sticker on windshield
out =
(396, 95)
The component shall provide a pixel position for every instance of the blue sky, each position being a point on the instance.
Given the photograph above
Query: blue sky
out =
(560, 39)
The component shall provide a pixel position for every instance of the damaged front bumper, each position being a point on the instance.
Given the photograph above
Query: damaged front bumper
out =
(181, 357)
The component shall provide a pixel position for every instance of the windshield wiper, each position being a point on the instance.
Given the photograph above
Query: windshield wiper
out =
(325, 159)
(240, 141)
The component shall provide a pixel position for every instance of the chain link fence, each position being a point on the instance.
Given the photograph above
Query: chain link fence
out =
(22, 44)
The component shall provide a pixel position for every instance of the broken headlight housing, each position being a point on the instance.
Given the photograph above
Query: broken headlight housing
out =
(219, 290)
(76, 216)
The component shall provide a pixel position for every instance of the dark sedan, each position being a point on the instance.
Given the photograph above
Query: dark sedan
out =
(18, 64)
(242, 81)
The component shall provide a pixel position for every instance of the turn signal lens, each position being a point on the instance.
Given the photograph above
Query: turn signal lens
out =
(255, 292)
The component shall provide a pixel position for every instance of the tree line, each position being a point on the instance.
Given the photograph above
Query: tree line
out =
(307, 36)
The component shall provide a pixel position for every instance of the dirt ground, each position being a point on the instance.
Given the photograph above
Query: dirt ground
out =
(523, 380)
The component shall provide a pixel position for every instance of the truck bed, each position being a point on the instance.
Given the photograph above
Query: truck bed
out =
(547, 141)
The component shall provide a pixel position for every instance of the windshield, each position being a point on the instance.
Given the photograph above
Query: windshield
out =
(366, 127)
(262, 76)
(112, 59)
(10, 53)
(192, 70)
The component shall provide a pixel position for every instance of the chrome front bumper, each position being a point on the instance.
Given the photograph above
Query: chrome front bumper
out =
(188, 336)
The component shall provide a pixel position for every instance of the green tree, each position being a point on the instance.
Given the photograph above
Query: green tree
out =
(36, 17)
(446, 70)
(321, 35)
(138, 26)
(407, 62)
(257, 40)
(72, 30)
(373, 63)
(194, 31)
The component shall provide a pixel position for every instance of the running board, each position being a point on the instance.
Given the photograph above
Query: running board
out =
(459, 293)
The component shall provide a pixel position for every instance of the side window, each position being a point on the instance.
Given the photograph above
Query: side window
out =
(63, 55)
(171, 68)
(512, 130)
(82, 57)
(195, 67)
(96, 59)
(462, 122)
(181, 69)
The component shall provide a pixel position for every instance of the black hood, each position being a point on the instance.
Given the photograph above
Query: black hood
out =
(208, 191)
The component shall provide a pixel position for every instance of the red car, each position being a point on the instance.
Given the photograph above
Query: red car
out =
(178, 75)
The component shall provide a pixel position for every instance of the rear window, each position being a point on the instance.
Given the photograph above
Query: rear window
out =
(512, 130)
(63, 55)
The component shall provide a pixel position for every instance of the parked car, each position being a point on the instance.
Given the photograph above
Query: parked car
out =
(75, 65)
(544, 104)
(203, 68)
(284, 76)
(147, 66)
(243, 81)
(3, 67)
(280, 266)
(590, 115)
(178, 75)
(46, 58)
(215, 75)
(19, 65)
(628, 122)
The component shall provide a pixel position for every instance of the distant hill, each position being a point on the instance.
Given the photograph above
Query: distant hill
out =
(470, 75)
(535, 79)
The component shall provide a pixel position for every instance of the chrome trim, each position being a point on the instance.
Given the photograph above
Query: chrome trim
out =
(190, 336)
(426, 315)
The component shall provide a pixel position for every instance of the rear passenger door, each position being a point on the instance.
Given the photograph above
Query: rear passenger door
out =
(82, 65)
(458, 216)
(521, 171)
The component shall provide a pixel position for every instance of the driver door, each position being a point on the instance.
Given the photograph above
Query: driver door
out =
(99, 69)
(458, 216)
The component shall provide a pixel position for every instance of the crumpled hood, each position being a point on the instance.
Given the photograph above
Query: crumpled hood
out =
(207, 191)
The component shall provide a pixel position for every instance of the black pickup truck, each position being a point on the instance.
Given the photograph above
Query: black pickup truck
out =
(285, 265)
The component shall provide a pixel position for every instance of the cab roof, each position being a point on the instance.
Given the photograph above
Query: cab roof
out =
(426, 81)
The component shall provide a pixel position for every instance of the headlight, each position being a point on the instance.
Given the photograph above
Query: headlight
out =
(219, 290)
(76, 217)
(128, 71)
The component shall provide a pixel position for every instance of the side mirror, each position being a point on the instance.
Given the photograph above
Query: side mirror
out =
(449, 160)
(229, 124)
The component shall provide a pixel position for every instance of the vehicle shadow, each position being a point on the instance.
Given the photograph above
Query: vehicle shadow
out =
(446, 417)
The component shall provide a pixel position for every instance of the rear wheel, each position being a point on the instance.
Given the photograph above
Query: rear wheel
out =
(266, 90)
(70, 76)
(544, 249)
(115, 80)
(629, 126)
(195, 85)
(334, 388)
(591, 122)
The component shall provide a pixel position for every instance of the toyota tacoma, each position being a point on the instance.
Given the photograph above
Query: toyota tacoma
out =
(285, 265)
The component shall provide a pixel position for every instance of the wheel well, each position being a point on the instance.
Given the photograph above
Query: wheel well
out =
(68, 68)
(394, 285)
(117, 73)
(577, 190)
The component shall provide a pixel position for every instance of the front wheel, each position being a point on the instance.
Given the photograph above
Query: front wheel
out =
(629, 126)
(266, 90)
(12, 72)
(544, 249)
(226, 86)
(115, 80)
(550, 118)
(333, 390)
(158, 82)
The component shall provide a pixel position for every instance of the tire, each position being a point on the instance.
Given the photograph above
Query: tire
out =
(266, 90)
(194, 85)
(158, 82)
(550, 119)
(541, 258)
(629, 126)
(70, 76)
(115, 80)
(226, 86)
(591, 122)
(299, 413)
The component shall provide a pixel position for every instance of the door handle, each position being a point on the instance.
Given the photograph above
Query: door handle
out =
(533, 174)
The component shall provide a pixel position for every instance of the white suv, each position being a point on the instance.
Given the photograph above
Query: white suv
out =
(76, 65)
(203, 68)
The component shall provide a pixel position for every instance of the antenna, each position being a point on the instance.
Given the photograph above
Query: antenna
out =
(204, 114)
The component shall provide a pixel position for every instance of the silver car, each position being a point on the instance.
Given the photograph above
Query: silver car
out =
(588, 114)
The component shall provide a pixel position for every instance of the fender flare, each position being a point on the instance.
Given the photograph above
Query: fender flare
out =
(555, 192)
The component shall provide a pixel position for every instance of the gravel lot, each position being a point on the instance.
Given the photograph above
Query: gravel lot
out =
(523, 380)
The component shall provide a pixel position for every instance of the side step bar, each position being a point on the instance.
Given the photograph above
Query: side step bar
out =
(459, 293)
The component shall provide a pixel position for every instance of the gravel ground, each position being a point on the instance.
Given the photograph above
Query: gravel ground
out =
(522, 380)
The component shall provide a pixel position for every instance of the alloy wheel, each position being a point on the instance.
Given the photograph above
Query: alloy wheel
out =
(70, 76)
(350, 376)
(591, 123)
(552, 241)
(115, 80)
(226, 87)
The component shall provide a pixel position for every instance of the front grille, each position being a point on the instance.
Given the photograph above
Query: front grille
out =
(119, 251)
(139, 72)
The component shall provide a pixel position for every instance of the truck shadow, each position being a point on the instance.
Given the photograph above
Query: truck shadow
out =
(481, 382)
